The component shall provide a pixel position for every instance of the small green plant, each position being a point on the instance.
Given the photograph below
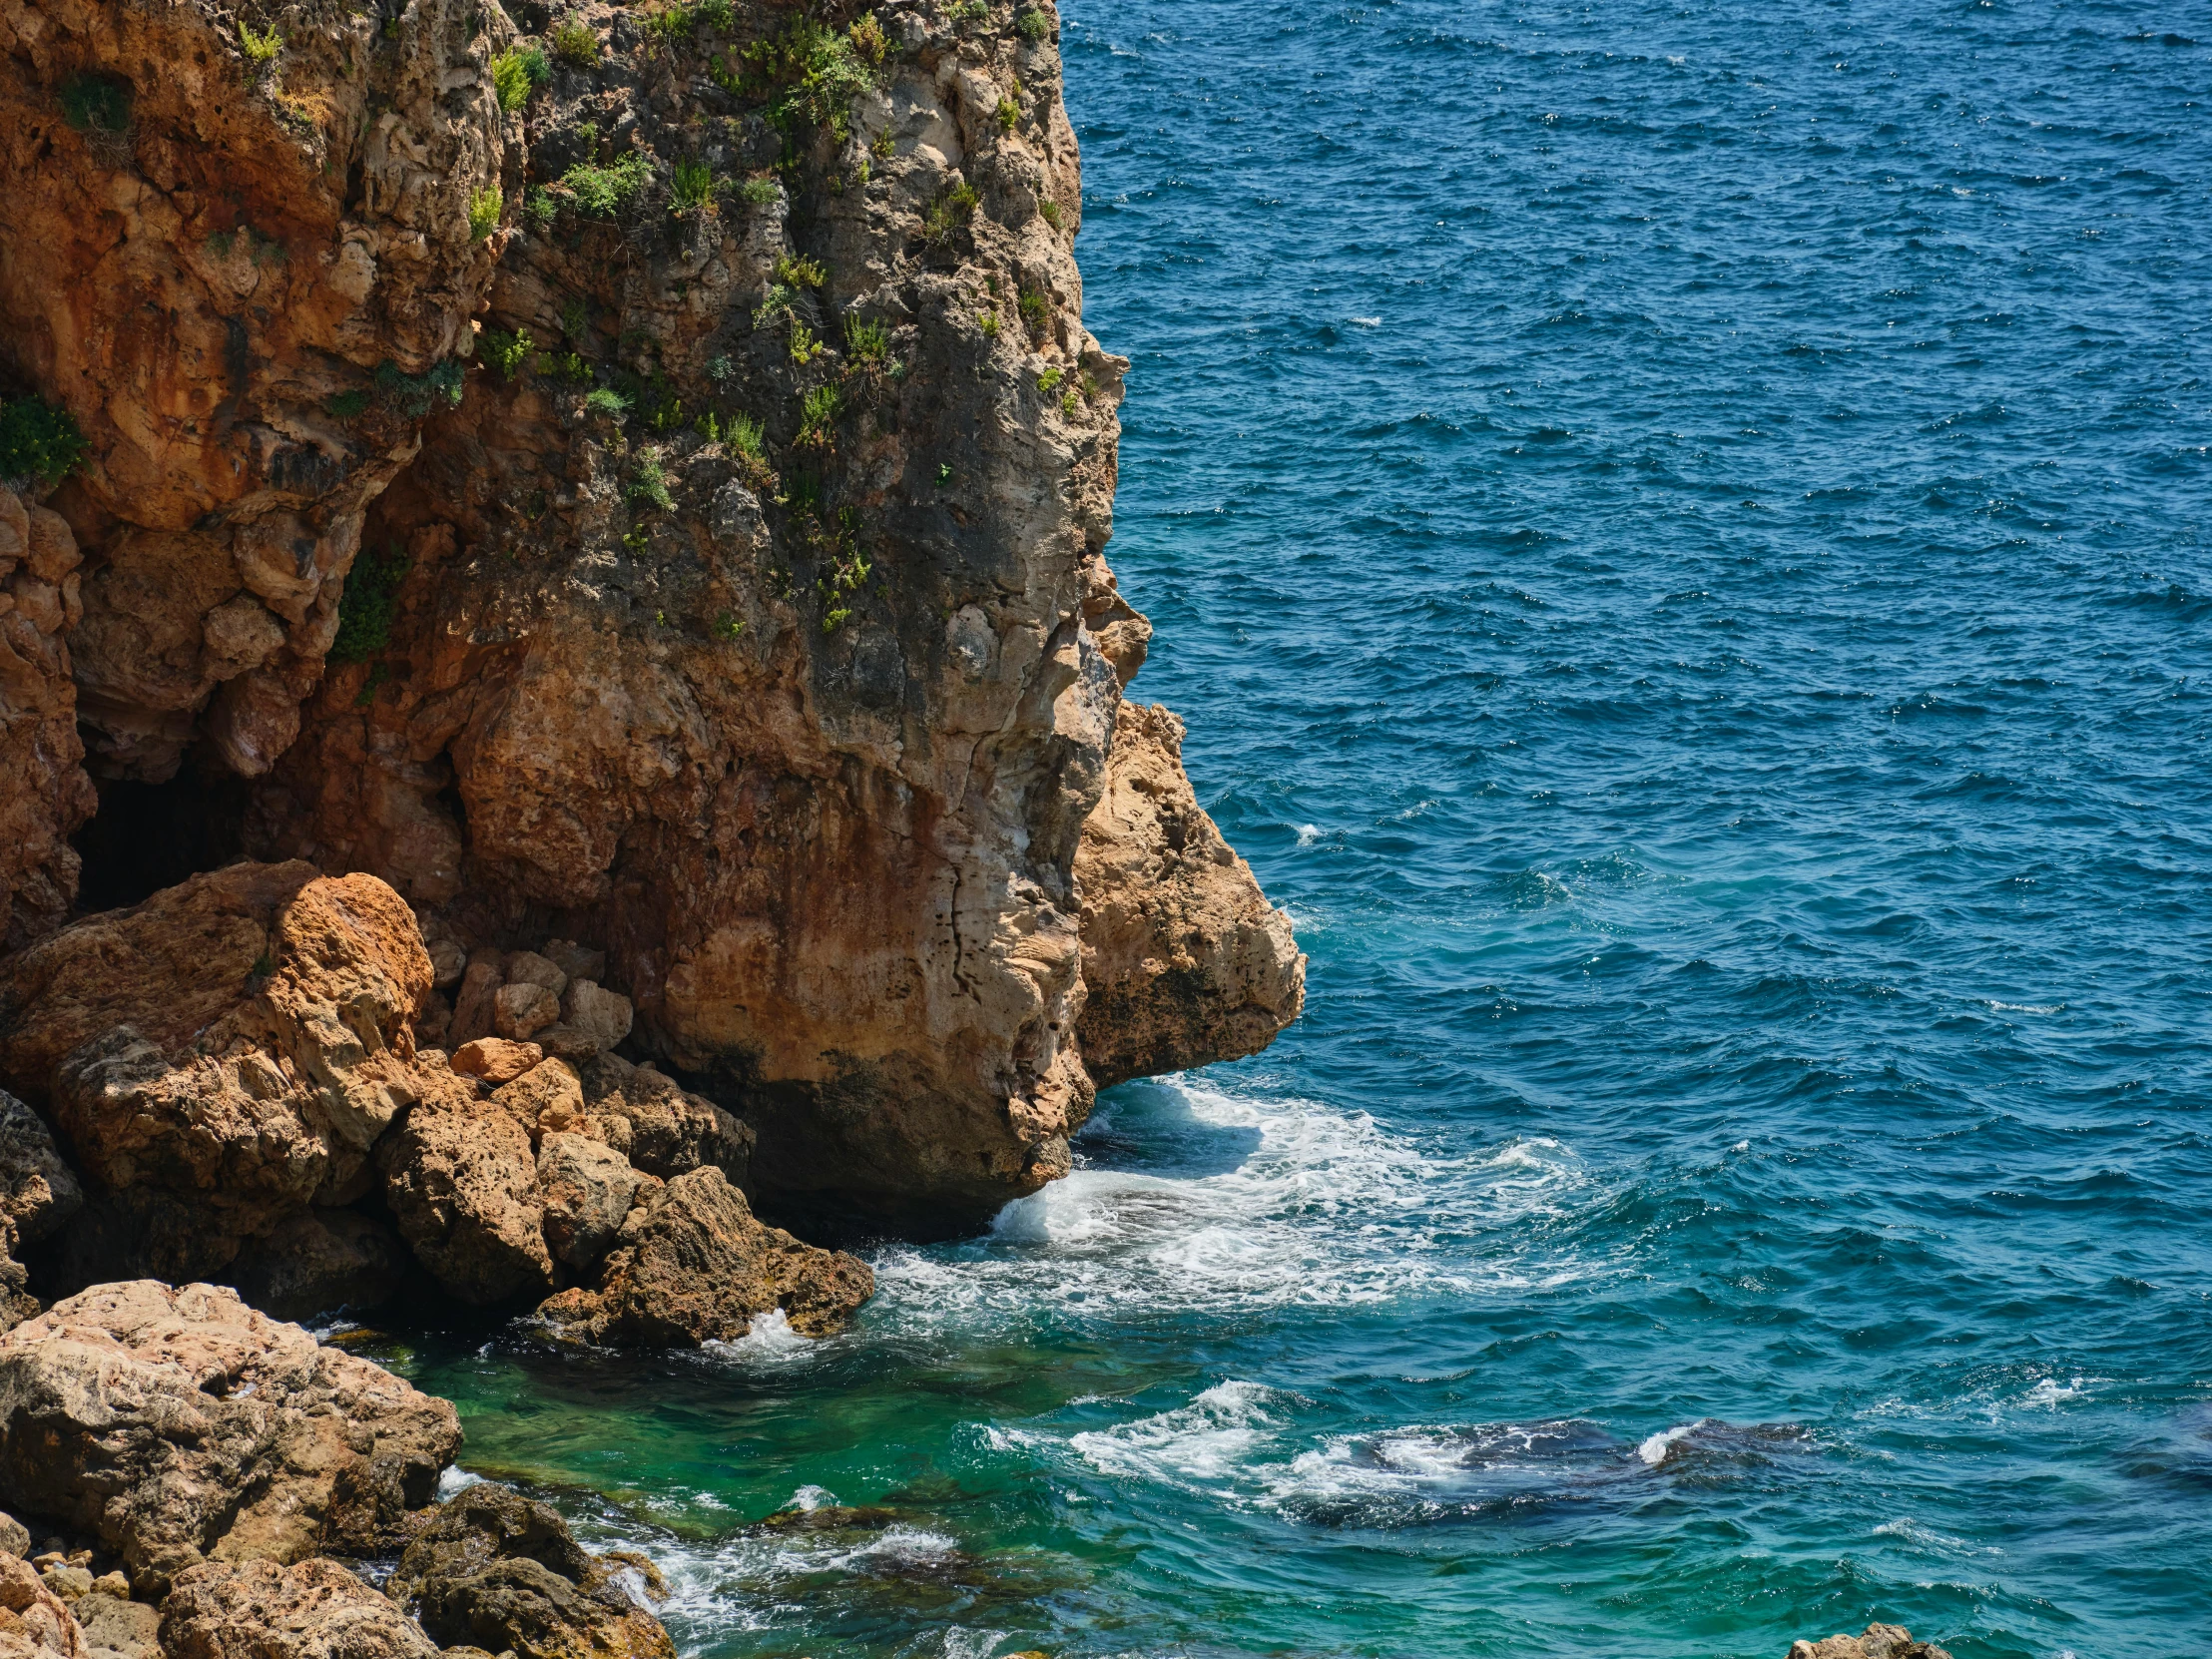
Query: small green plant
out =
(799, 274)
(720, 369)
(716, 14)
(690, 186)
(747, 437)
(869, 342)
(728, 626)
(586, 134)
(760, 192)
(967, 11)
(1069, 403)
(1033, 25)
(988, 323)
(775, 302)
(607, 404)
(413, 394)
(369, 605)
(573, 369)
(1048, 380)
(664, 28)
(944, 473)
(708, 426)
(539, 210)
(819, 70)
(38, 441)
(264, 966)
(260, 49)
(96, 104)
(507, 352)
(483, 212)
(882, 146)
(637, 539)
(817, 418)
(518, 71)
(572, 41)
(1037, 314)
(805, 347)
(1009, 111)
(1051, 210)
(346, 406)
(649, 483)
(606, 191)
(951, 211)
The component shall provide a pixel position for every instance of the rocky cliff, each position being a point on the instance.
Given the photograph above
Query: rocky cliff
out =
(626, 475)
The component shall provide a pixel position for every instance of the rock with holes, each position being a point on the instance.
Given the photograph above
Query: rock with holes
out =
(1876, 1641)
(499, 1573)
(179, 1426)
(495, 1060)
(692, 1265)
(35, 1623)
(460, 1176)
(662, 1127)
(38, 1191)
(310, 1610)
(117, 1627)
(588, 1190)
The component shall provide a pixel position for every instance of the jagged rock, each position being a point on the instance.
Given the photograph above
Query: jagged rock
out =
(496, 1061)
(301, 226)
(310, 1610)
(15, 1537)
(1183, 960)
(321, 1261)
(34, 1622)
(461, 1180)
(179, 1425)
(474, 1003)
(38, 1191)
(116, 1627)
(588, 1189)
(520, 1011)
(593, 1020)
(661, 1127)
(504, 1573)
(548, 1098)
(692, 1265)
(575, 961)
(220, 1057)
(1878, 1641)
(40, 755)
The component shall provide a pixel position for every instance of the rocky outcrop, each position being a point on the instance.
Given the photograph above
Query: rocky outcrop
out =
(498, 1573)
(461, 1181)
(48, 794)
(258, 1611)
(38, 1191)
(1876, 1641)
(220, 1058)
(179, 1426)
(1183, 960)
(116, 1627)
(247, 278)
(35, 1623)
(692, 1265)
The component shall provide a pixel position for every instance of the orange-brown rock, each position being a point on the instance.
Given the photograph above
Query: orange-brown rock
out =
(35, 1623)
(1876, 1641)
(210, 261)
(1183, 960)
(47, 795)
(692, 1265)
(496, 1061)
(179, 1426)
(461, 1181)
(260, 1610)
(220, 1057)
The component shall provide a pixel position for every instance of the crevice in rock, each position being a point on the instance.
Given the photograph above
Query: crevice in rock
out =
(147, 837)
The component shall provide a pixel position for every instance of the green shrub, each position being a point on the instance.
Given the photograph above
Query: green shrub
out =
(800, 272)
(952, 211)
(346, 406)
(716, 14)
(572, 41)
(728, 626)
(1033, 25)
(668, 25)
(868, 40)
(1037, 314)
(518, 71)
(775, 302)
(720, 369)
(760, 192)
(413, 394)
(884, 146)
(1048, 380)
(690, 186)
(539, 210)
(608, 402)
(368, 606)
(1009, 111)
(817, 418)
(96, 104)
(573, 369)
(805, 347)
(1051, 210)
(483, 212)
(869, 342)
(38, 441)
(988, 323)
(819, 70)
(606, 191)
(649, 483)
(507, 353)
(260, 49)
(967, 11)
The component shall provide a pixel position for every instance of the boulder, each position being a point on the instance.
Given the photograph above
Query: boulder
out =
(460, 1178)
(499, 1573)
(548, 1098)
(219, 1059)
(588, 1189)
(179, 1425)
(322, 1260)
(1183, 960)
(690, 1265)
(310, 1610)
(15, 1537)
(661, 1127)
(520, 1011)
(35, 1623)
(1876, 1641)
(495, 1060)
(593, 1020)
(38, 1191)
(473, 1003)
(117, 1627)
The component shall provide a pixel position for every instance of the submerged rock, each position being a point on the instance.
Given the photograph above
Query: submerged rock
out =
(180, 1424)
(260, 1610)
(693, 1266)
(1876, 1641)
(502, 1574)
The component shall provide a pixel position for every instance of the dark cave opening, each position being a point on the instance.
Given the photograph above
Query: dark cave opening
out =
(147, 837)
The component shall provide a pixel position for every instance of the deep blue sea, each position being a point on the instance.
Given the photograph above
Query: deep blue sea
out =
(1680, 531)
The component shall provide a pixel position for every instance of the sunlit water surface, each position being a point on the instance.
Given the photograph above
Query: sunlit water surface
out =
(1680, 533)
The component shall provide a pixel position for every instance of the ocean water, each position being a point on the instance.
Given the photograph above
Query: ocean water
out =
(1680, 531)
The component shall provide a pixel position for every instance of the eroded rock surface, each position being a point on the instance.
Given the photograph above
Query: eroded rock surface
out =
(1183, 960)
(1876, 1641)
(692, 1265)
(35, 1623)
(461, 1180)
(48, 794)
(179, 1426)
(310, 1610)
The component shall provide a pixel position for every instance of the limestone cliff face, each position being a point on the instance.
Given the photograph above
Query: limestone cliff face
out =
(745, 617)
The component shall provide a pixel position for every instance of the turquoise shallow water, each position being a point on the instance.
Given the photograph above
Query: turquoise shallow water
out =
(1680, 532)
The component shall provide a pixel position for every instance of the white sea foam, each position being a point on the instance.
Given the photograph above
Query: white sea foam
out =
(971, 1644)
(454, 1481)
(1207, 1442)
(2050, 1391)
(1365, 322)
(1655, 1448)
(769, 1341)
(1307, 833)
(1286, 1201)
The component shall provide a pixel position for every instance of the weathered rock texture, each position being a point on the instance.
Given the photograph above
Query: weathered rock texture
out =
(498, 1573)
(1183, 959)
(1878, 1641)
(48, 794)
(691, 1266)
(179, 1426)
(220, 1058)
(258, 1611)
(209, 261)
(35, 1623)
